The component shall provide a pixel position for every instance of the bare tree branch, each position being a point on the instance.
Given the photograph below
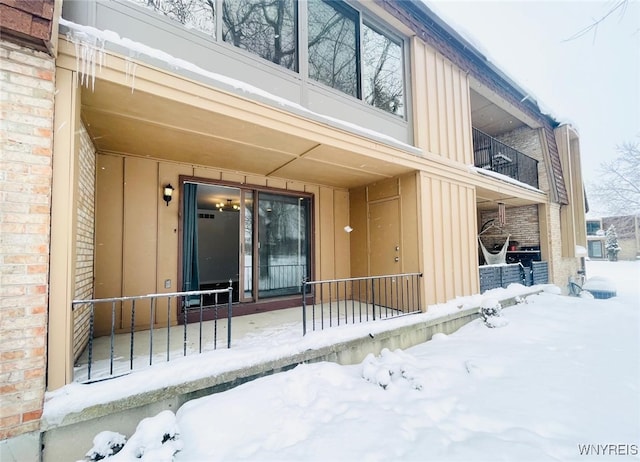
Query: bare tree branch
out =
(619, 186)
(619, 5)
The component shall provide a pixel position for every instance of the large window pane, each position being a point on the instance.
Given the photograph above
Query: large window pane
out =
(382, 72)
(333, 45)
(194, 14)
(283, 241)
(264, 27)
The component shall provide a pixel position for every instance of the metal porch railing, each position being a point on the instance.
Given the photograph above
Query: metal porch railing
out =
(136, 317)
(491, 154)
(355, 300)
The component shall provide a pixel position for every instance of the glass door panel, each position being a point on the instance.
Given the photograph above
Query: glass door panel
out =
(283, 244)
(247, 246)
(218, 235)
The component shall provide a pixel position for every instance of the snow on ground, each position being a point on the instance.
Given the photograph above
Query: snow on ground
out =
(559, 381)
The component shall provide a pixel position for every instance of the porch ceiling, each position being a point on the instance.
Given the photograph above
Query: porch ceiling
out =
(487, 199)
(137, 123)
(491, 118)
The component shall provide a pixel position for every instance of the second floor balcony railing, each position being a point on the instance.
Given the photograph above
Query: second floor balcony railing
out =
(491, 154)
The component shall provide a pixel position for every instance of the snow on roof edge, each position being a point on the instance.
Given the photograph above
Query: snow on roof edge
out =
(78, 33)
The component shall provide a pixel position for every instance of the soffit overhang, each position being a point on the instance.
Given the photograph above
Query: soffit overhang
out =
(156, 114)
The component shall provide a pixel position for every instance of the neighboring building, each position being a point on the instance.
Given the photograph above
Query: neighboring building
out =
(627, 229)
(288, 125)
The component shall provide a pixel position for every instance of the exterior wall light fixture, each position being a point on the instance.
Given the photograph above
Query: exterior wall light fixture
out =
(167, 193)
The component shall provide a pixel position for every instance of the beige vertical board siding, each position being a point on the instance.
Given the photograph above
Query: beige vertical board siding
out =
(141, 196)
(358, 237)
(435, 252)
(256, 180)
(409, 218)
(449, 111)
(210, 173)
(276, 183)
(573, 224)
(233, 177)
(543, 223)
(168, 225)
(455, 240)
(64, 194)
(326, 236)
(450, 236)
(109, 236)
(442, 105)
(341, 239)
(470, 245)
(448, 216)
(383, 189)
(292, 186)
(441, 118)
(315, 190)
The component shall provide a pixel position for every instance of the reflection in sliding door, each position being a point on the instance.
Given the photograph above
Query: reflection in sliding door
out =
(283, 244)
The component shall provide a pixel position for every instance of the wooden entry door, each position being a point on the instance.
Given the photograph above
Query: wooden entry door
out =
(384, 237)
(385, 255)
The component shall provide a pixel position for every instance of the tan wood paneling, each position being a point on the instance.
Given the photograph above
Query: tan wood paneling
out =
(442, 105)
(276, 183)
(295, 186)
(140, 232)
(255, 180)
(233, 177)
(64, 194)
(358, 237)
(342, 238)
(168, 225)
(326, 236)
(209, 173)
(141, 196)
(383, 189)
(448, 216)
(384, 237)
(109, 236)
(409, 217)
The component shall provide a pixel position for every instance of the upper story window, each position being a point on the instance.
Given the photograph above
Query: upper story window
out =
(193, 14)
(333, 46)
(343, 49)
(264, 27)
(382, 72)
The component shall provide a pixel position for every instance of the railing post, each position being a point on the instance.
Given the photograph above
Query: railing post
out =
(229, 312)
(303, 287)
(373, 298)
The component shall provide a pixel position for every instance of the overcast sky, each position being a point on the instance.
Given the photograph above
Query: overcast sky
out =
(592, 81)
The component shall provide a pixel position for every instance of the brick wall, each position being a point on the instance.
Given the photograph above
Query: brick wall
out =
(26, 127)
(528, 141)
(84, 241)
(522, 224)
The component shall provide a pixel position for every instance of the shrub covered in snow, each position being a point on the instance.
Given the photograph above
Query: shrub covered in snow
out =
(491, 312)
(106, 444)
(391, 368)
(156, 439)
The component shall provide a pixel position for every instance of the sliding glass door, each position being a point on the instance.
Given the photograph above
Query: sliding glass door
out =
(283, 243)
(260, 240)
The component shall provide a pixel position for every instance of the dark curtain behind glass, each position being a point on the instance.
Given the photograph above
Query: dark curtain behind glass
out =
(190, 269)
